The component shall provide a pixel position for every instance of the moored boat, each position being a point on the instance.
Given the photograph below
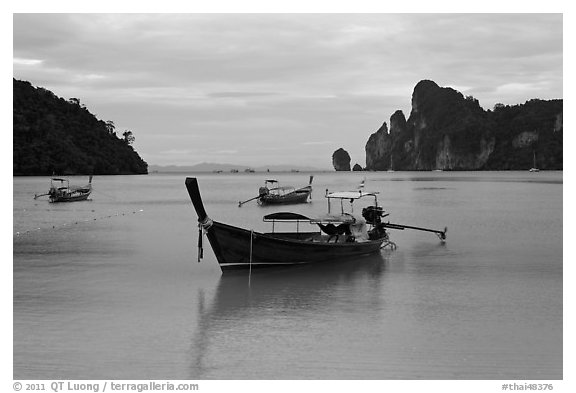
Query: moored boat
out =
(336, 236)
(61, 191)
(274, 194)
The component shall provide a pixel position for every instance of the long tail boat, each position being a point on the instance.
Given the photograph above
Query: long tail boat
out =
(337, 236)
(274, 194)
(61, 191)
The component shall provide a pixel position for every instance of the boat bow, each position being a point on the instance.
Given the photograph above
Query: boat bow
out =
(194, 192)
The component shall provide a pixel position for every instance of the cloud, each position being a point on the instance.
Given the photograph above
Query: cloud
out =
(26, 62)
(252, 82)
(239, 94)
(311, 143)
(230, 151)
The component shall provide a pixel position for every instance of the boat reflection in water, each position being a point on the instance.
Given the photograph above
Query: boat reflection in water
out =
(257, 324)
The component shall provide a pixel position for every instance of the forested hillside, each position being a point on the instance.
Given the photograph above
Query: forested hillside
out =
(57, 136)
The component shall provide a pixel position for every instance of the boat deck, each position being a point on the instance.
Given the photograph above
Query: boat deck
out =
(312, 237)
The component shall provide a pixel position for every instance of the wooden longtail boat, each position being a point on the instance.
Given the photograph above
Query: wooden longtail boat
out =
(61, 191)
(274, 194)
(340, 236)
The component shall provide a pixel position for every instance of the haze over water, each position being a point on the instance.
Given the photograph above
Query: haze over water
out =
(111, 288)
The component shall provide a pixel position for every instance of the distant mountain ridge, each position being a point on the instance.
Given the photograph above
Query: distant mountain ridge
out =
(211, 167)
(448, 131)
(57, 136)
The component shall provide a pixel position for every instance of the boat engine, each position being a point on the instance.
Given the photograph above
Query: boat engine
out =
(263, 191)
(373, 214)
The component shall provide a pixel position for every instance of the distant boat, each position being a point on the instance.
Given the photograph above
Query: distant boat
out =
(234, 170)
(336, 235)
(61, 191)
(274, 194)
(534, 169)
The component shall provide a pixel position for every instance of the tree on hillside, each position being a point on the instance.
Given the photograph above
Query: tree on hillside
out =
(129, 138)
(110, 127)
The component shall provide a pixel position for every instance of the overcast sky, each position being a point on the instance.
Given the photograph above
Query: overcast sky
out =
(268, 89)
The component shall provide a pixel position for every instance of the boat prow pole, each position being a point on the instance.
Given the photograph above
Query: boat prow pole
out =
(204, 223)
(194, 192)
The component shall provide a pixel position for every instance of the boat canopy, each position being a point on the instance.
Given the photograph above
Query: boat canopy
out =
(271, 181)
(350, 194)
(344, 218)
(58, 179)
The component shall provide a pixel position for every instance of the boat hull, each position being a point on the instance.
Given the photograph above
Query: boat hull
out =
(298, 196)
(69, 197)
(238, 248)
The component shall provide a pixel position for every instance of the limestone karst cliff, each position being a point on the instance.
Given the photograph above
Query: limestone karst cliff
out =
(341, 160)
(446, 130)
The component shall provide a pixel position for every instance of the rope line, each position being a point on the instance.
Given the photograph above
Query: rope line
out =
(67, 224)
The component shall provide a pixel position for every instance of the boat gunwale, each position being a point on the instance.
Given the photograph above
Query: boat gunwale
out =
(270, 235)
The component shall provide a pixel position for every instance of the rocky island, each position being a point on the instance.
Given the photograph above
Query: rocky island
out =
(341, 160)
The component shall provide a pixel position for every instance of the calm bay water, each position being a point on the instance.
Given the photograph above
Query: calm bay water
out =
(111, 288)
